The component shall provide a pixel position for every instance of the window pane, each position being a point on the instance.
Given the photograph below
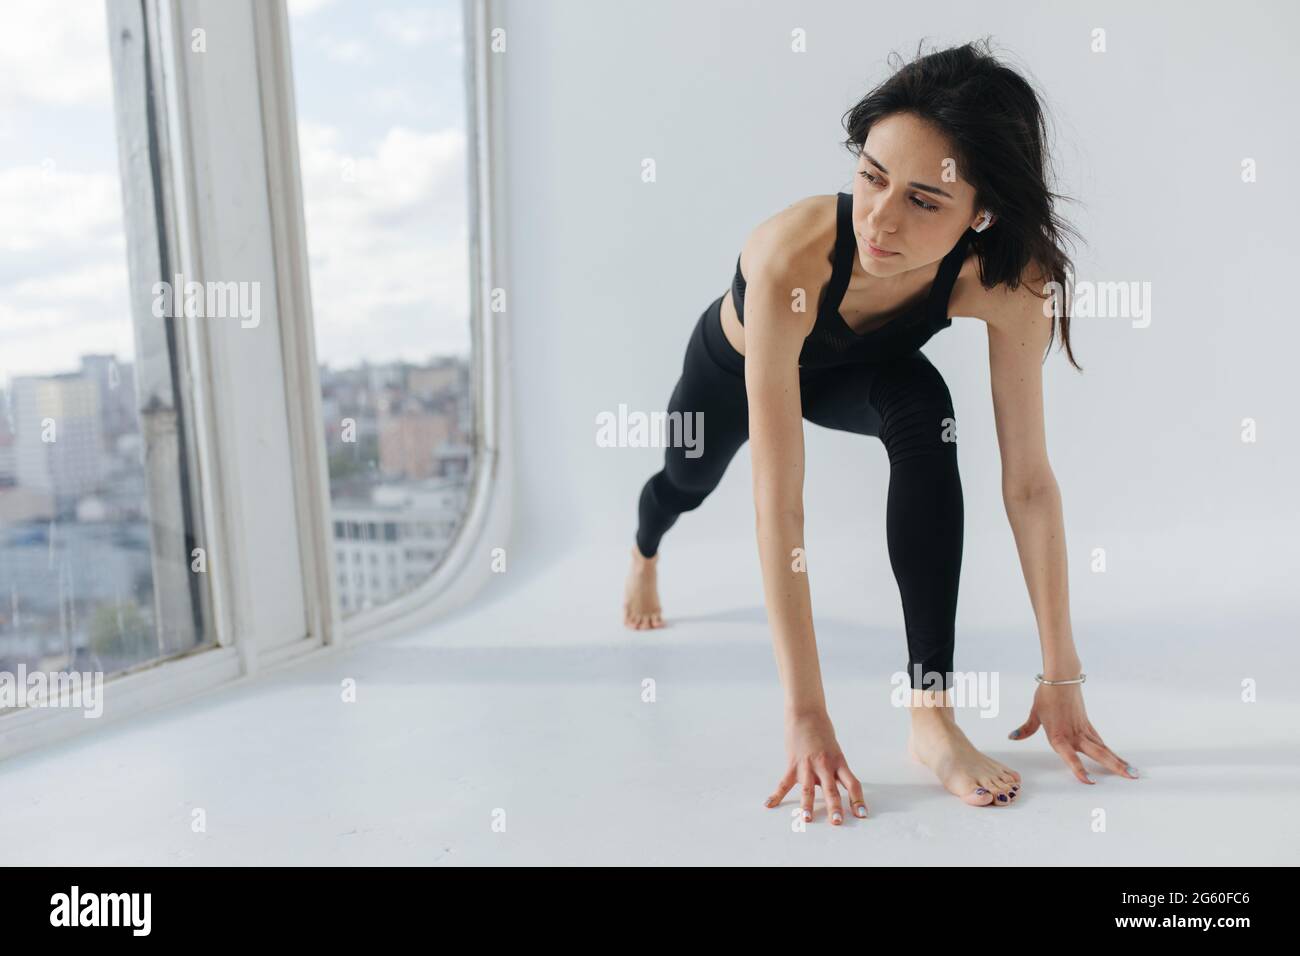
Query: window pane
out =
(380, 91)
(88, 535)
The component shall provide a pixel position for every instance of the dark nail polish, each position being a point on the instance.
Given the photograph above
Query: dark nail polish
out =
(1002, 798)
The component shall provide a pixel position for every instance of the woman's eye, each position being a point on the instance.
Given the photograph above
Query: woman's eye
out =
(928, 207)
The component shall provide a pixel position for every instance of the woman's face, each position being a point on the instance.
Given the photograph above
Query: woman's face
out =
(909, 197)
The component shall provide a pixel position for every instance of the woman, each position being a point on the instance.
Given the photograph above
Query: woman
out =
(950, 215)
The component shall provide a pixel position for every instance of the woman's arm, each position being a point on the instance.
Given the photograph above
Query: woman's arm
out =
(773, 338)
(1019, 332)
(774, 335)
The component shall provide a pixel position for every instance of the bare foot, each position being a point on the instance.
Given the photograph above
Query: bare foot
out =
(641, 609)
(936, 741)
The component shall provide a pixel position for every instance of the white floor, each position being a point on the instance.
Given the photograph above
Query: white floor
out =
(528, 709)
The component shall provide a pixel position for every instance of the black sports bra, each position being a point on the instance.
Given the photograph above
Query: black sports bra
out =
(832, 341)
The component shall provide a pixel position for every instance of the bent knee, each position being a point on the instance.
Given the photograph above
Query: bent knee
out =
(916, 411)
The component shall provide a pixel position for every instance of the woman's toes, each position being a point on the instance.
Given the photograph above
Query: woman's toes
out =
(979, 797)
(1001, 799)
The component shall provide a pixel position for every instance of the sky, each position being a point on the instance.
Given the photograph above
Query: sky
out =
(379, 86)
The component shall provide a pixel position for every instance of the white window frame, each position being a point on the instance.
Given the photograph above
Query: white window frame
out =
(227, 119)
(467, 566)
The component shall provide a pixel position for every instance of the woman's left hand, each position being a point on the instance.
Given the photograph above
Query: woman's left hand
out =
(1059, 708)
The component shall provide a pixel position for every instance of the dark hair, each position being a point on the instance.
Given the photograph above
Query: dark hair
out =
(996, 125)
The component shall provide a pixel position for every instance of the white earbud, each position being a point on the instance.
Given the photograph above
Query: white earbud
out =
(985, 221)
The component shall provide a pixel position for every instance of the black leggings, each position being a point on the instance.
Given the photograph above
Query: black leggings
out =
(904, 403)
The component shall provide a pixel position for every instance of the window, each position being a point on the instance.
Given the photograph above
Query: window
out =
(97, 548)
(166, 447)
(380, 95)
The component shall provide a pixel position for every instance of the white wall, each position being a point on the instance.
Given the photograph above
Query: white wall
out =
(608, 276)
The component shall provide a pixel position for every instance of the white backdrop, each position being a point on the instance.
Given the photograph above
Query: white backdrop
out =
(608, 275)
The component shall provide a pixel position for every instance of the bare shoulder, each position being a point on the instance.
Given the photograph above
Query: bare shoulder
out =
(792, 245)
(999, 306)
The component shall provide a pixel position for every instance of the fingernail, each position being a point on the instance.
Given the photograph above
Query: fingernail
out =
(1014, 734)
(1002, 798)
(1088, 776)
(860, 810)
(837, 817)
(1132, 770)
(807, 816)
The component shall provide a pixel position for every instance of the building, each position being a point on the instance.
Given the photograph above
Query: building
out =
(389, 545)
(58, 447)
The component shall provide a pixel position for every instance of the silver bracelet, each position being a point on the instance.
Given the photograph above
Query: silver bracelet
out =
(1073, 680)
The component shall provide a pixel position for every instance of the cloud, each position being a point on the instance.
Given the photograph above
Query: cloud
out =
(344, 51)
(401, 100)
(416, 27)
(388, 245)
(54, 53)
(44, 208)
(63, 274)
(49, 322)
(305, 8)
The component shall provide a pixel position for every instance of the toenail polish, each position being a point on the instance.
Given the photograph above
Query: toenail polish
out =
(837, 817)
(860, 810)
(981, 790)
(1132, 770)
(807, 816)
(1002, 798)
(1089, 778)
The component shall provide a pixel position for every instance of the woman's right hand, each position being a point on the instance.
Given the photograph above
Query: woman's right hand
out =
(817, 761)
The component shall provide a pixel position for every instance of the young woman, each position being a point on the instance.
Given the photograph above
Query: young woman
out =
(950, 215)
